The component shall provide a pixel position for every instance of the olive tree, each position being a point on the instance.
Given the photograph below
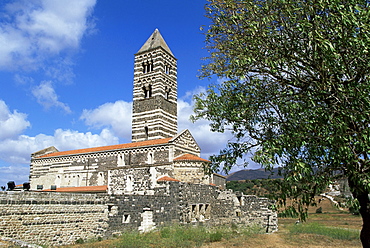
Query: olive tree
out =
(295, 92)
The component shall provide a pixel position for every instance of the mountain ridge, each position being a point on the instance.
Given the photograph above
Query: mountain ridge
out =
(250, 174)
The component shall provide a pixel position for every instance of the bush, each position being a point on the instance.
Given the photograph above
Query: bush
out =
(80, 241)
(319, 210)
(214, 237)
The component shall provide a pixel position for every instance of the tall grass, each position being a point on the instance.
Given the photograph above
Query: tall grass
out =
(180, 236)
(332, 232)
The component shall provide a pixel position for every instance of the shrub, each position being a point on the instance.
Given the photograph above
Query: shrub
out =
(319, 210)
(80, 241)
(214, 237)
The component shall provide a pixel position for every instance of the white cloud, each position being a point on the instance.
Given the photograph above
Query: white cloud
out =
(21, 79)
(11, 124)
(17, 173)
(15, 153)
(19, 150)
(33, 30)
(46, 96)
(209, 142)
(116, 116)
(68, 139)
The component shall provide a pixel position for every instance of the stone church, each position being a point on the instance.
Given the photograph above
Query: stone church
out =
(157, 180)
(157, 152)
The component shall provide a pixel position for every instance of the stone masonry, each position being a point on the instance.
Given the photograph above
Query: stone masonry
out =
(51, 218)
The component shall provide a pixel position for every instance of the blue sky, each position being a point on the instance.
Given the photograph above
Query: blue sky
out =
(66, 73)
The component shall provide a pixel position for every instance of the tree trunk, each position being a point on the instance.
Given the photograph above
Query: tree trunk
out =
(363, 199)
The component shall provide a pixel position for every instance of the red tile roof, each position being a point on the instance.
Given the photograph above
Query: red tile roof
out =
(167, 178)
(190, 157)
(108, 148)
(94, 189)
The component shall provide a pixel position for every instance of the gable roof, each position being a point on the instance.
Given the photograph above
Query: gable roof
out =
(45, 151)
(190, 157)
(108, 148)
(155, 40)
(184, 133)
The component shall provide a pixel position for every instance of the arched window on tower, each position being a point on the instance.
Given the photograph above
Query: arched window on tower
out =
(167, 91)
(147, 91)
(147, 66)
(151, 66)
(144, 67)
(167, 68)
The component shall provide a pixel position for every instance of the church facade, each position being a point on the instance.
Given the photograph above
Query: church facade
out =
(157, 150)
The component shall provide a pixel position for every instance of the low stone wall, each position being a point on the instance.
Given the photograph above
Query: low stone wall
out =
(51, 218)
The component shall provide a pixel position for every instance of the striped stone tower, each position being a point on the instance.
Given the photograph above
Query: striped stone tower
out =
(155, 91)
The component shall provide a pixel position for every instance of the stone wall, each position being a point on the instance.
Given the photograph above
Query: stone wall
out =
(51, 218)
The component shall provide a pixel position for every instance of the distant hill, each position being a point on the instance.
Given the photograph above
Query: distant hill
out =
(253, 174)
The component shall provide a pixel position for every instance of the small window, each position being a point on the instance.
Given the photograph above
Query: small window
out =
(193, 208)
(146, 132)
(126, 218)
(240, 200)
(150, 158)
(167, 69)
(129, 184)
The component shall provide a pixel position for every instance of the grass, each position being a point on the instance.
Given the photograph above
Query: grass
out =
(175, 236)
(180, 236)
(332, 232)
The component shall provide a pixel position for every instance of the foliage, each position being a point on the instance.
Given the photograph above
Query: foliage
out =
(295, 92)
(319, 210)
(80, 241)
(353, 206)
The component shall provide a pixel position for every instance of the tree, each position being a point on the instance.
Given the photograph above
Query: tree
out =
(295, 92)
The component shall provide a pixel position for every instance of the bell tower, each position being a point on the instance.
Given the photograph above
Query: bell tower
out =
(155, 91)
